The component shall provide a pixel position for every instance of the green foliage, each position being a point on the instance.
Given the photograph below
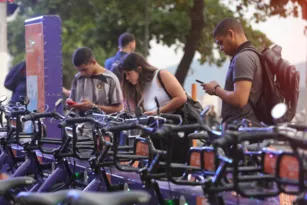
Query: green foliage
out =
(268, 8)
(98, 23)
(16, 35)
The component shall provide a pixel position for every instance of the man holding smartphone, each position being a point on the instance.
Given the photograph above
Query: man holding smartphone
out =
(93, 85)
(243, 84)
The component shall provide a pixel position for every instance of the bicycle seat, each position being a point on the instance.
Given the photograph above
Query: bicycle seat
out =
(7, 184)
(116, 198)
(213, 135)
(257, 146)
(200, 136)
(50, 198)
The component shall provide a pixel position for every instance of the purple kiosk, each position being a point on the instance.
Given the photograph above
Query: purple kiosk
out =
(44, 66)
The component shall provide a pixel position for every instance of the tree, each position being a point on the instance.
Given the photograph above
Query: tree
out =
(97, 24)
(195, 32)
(265, 8)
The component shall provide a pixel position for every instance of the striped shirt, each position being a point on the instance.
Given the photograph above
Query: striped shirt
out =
(103, 89)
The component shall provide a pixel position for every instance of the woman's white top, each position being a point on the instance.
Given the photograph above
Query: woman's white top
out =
(153, 90)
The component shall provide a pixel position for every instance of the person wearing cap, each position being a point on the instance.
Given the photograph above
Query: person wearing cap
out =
(126, 44)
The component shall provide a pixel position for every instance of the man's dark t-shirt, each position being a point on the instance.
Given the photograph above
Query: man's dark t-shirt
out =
(244, 66)
(113, 62)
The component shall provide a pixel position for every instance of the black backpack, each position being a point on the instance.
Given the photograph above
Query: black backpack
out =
(280, 84)
(190, 110)
(115, 68)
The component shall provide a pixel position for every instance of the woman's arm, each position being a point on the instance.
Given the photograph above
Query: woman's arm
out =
(175, 90)
(66, 92)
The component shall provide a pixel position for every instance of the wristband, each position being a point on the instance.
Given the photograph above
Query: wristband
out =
(214, 89)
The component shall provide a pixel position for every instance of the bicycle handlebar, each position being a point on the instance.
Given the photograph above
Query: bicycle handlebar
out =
(168, 129)
(254, 135)
(71, 121)
(36, 116)
(174, 117)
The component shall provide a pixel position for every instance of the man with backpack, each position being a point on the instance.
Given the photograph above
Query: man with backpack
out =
(243, 84)
(255, 81)
(126, 44)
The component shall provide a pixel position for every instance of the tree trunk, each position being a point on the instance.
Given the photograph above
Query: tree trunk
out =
(146, 29)
(197, 25)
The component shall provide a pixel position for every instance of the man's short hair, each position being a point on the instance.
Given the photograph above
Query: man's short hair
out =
(229, 23)
(82, 56)
(125, 38)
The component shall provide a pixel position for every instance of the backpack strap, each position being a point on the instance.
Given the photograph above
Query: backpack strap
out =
(162, 84)
(259, 55)
(250, 49)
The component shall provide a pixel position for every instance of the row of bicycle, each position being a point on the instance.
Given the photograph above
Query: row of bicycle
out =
(226, 163)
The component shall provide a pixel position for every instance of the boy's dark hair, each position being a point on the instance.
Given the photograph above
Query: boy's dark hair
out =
(229, 23)
(82, 56)
(125, 38)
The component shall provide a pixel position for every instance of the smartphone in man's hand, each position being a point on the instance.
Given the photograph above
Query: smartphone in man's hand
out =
(201, 82)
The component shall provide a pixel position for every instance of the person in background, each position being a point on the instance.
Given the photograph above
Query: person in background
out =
(126, 44)
(16, 81)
